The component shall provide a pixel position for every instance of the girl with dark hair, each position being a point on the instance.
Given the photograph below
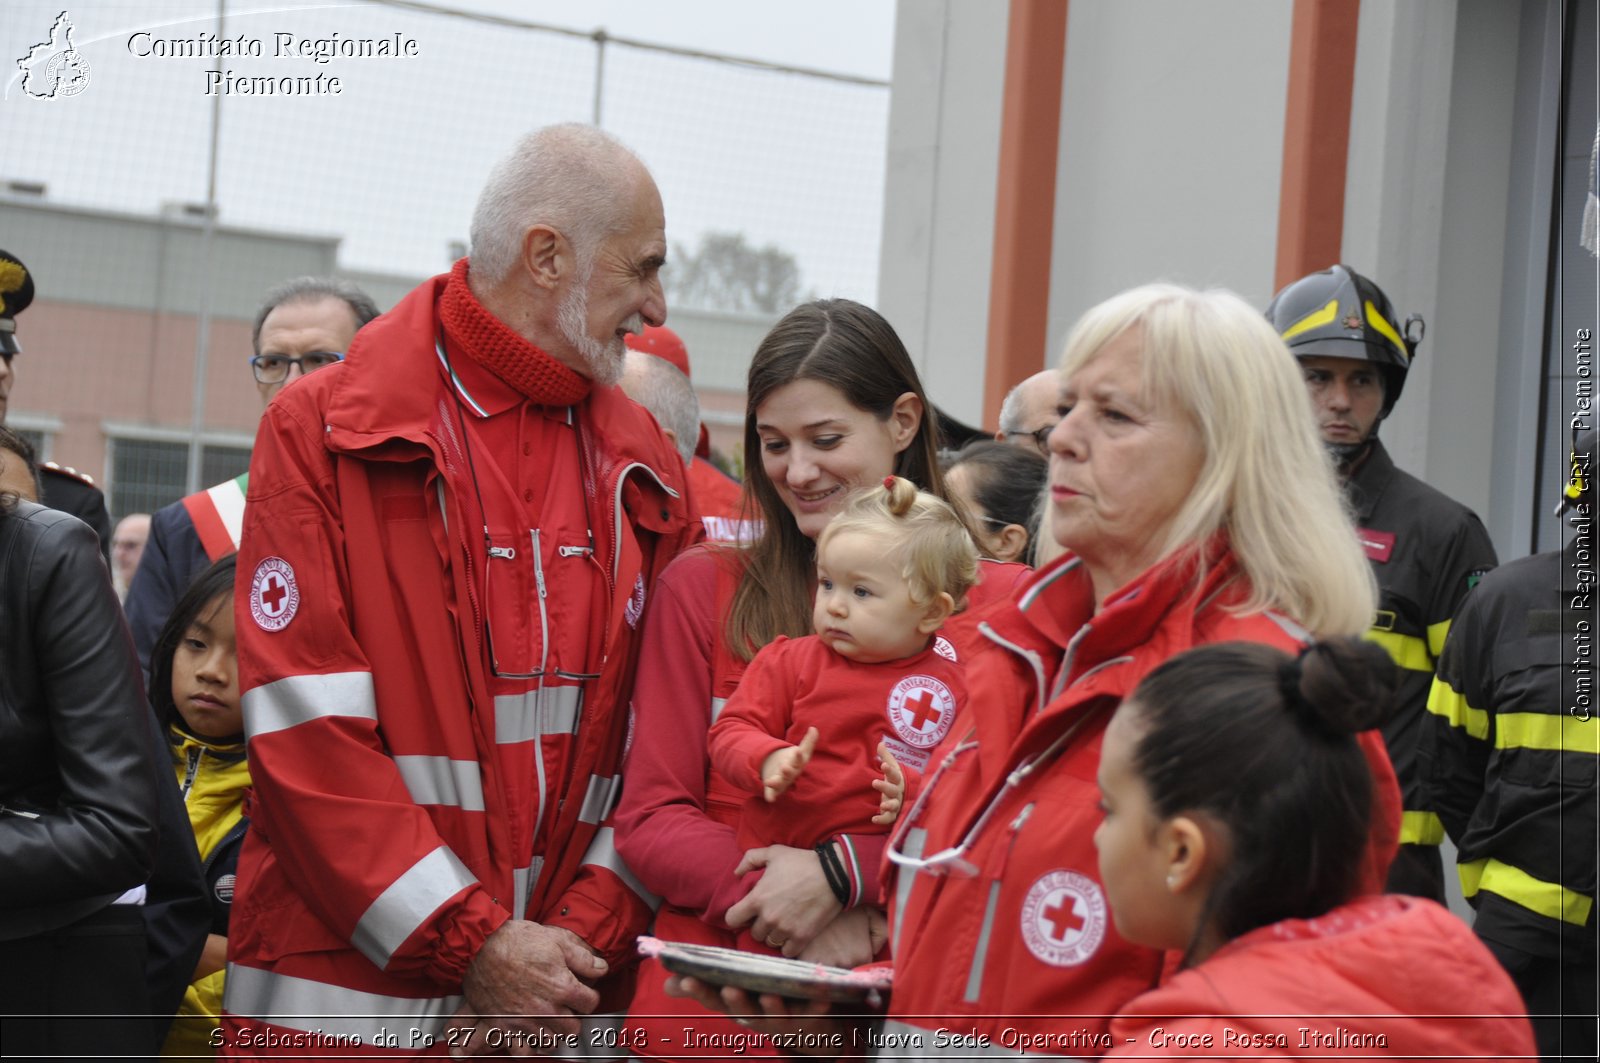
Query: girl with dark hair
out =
(833, 405)
(999, 486)
(194, 690)
(1241, 845)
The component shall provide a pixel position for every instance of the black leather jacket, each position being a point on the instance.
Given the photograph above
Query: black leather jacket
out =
(77, 783)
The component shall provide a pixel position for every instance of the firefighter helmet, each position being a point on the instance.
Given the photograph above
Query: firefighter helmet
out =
(1338, 313)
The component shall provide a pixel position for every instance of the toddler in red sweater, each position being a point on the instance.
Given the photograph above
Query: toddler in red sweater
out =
(821, 722)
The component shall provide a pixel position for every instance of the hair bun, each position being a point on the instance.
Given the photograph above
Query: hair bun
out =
(902, 494)
(1341, 685)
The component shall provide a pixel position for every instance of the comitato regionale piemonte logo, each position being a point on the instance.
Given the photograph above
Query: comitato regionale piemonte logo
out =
(54, 68)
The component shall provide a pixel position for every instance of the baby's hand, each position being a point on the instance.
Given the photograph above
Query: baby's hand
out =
(891, 788)
(782, 768)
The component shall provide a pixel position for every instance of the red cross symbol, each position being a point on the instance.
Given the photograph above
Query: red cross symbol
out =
(273, 593)
(922, 710)
(1064, 917)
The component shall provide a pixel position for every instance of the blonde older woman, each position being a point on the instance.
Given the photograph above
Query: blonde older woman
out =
(1195, 505)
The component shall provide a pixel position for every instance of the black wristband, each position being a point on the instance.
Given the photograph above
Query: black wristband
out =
(833, 871)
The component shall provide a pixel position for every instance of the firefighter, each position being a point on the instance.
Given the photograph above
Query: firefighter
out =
(1426, 550)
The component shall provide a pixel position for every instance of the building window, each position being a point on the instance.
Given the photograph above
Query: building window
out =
(219, 464)
(35, 439)
(146, 474)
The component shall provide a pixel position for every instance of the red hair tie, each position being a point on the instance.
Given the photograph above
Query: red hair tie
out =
(888, 483)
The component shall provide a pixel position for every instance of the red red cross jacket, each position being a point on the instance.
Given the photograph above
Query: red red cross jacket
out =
(1390, 976)
(402, 806)
(1010, 937)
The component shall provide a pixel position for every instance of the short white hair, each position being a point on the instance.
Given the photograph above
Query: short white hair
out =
(1011, 411)
(660, 387)
(572, 177)
(1012, 421)
(1266, 478)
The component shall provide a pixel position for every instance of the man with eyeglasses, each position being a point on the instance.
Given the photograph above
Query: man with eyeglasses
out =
(1028, 412)
(303, 325)
(450, 550)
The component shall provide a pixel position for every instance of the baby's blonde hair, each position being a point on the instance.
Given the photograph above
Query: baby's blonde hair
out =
(922, 532)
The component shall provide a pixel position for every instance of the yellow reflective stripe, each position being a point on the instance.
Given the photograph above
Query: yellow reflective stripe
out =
(1445, 701)
(1539, 730)
(1548, 899)
(1420, 828)
(1408, 651)
(1437, 633)
(1315, 319)
(1381, 327)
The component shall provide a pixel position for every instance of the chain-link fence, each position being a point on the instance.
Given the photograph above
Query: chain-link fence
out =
(160, 179)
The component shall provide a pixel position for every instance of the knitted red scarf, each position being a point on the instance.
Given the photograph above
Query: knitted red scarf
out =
(487, 340)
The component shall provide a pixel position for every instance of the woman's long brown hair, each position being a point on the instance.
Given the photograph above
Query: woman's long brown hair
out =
(851, 348)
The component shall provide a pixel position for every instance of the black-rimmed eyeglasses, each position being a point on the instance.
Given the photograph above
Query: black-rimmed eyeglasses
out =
(274, 368)
(1040, 437)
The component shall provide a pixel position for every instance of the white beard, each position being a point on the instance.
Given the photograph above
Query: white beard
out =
(604, 359)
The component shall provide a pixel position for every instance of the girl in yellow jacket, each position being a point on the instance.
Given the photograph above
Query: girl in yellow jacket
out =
(194, 687)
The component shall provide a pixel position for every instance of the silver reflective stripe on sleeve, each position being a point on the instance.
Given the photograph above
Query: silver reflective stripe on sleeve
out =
(298, 699)
(918, 1042)
(410, 901)
(522, 882)
(335, 1011)
(602, 852)
(442, 781)
(916, 839)
(717, 705)
(980, 955)
(526, 716)
(598, 800)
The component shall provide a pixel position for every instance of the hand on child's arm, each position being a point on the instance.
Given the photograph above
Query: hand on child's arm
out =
(781, 769)
(891, 788)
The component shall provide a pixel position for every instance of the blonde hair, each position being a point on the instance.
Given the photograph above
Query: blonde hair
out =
(1266, 479)
(923, 532)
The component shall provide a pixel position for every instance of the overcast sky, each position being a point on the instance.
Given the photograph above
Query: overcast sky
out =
(393, 162)
(846, 36)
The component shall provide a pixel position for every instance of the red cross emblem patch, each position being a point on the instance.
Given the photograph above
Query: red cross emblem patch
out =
(920, 710)
(1064, 918)
(274, 595)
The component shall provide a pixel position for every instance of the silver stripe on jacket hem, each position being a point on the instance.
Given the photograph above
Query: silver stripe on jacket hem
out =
(523, 879)
(905, 878)
(331, 1010)
(980, 954)
(442, 781)
(410, 901)
(298, 699)
(533, 713)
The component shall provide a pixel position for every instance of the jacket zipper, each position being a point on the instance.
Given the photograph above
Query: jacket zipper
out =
(191, 769)
(1026, 654)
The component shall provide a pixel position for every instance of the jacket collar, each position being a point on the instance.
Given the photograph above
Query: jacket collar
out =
(183, 741)
(1367, 484)
(1053, 607)
(389, 400)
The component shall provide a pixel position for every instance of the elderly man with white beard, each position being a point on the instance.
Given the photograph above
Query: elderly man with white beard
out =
(451, 538)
